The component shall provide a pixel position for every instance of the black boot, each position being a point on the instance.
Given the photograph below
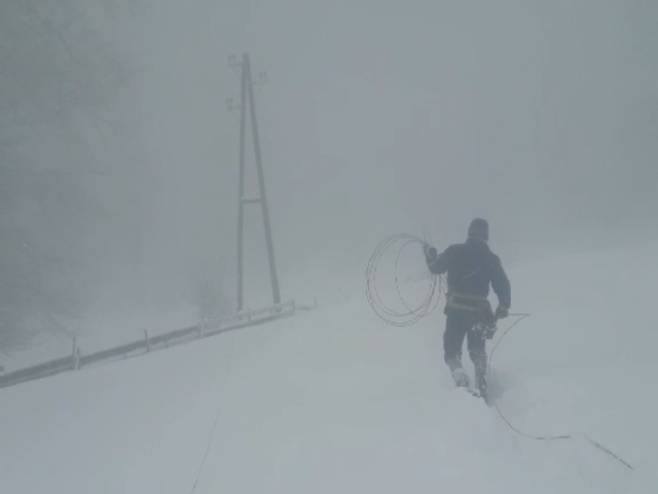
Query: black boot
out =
(480, 364)
(460, 377)
(458, 373)
(481, 384)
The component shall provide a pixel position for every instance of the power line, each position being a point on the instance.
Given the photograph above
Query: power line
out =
(409, 314)
(548, 438)
(211, 437)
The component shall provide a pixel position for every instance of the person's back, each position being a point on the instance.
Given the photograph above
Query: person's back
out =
(472, 268)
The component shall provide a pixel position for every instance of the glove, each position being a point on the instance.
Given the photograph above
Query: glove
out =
(502, 312)
(430, 253)
(486, 330)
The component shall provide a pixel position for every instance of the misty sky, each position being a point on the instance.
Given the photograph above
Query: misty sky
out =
(377, 117)
(380, 117)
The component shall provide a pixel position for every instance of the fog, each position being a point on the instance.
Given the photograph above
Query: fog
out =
(119, 152)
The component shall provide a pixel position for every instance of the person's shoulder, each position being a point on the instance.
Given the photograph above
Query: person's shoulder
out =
(491, 253)
(454, 248)
(485, 251)
(495, 259)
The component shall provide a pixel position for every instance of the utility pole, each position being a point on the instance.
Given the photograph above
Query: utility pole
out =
(247, 99)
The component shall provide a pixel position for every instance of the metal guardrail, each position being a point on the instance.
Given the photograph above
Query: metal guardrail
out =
(77, 360)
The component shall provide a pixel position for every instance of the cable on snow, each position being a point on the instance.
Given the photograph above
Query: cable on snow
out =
(211, 436)
(556, 437)
(519, 318)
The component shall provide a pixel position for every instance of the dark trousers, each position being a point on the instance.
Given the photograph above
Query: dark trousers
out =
(459, 325)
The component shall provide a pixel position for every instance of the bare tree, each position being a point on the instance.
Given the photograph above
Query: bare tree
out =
(58, 77)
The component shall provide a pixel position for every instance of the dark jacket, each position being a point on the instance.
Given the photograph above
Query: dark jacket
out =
(471, 267)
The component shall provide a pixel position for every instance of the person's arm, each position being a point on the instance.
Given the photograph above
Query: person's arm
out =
(437, 263)
(502, 288)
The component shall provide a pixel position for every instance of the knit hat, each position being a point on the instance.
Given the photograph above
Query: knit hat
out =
(479, 229)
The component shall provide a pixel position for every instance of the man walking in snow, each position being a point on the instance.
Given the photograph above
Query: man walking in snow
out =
(471, 268)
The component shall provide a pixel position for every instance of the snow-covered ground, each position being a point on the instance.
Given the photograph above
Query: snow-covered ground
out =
(335, 401)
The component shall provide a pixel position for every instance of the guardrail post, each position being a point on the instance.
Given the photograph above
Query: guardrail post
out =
(75, 354)
(147, 340)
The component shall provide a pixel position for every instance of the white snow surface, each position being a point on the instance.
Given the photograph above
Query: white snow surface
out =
(333, 400)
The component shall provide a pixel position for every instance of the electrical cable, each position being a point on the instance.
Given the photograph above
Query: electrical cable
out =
(211, 436)
(546, 438)
(409, 314)
(556, 437)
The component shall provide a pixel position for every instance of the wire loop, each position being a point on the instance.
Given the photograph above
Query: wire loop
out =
(409, 314)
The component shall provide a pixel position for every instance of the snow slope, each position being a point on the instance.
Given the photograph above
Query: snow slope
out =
(334, 401)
